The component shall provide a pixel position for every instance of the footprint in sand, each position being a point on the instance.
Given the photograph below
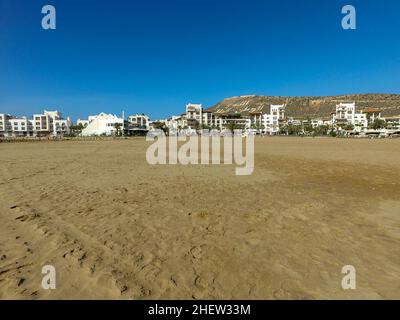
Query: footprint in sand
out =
(28, 217)
(196, 252)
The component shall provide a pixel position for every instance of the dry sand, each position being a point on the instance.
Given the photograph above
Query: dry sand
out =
(116, 227)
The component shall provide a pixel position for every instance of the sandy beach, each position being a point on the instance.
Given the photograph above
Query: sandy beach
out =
(115, 227)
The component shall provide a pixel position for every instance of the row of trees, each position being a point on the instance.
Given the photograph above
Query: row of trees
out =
(288, 129)
(307, 129)
(324, 130)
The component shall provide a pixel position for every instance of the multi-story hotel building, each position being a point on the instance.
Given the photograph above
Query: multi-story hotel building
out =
(21, 127)
(393, 122)
(48, 123)
(194, 115)
(5, 125)
(346, 114)
(274, 119)
(372, 114)
(196, 118)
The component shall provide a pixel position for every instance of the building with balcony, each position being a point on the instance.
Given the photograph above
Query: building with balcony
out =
(5, 125)
(21, 127)
(346, 115)
(372, 114)
(272, 121)
(140, 121)
(50, 123)
(194, 115)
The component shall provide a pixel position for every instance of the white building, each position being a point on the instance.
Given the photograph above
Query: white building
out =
(194, 115)
(5, 125)
(372, 114)
(272, 120)
(224, 121)
(139, 120)
(393, 122)
(103, 125)
(49, 123)
(319, 122)
(62, 126)
(176, 123)
(294, 122)
(21, 127)
(209, 119)
(11, 126)
(346, 114)
(43, 123)
(195, 118)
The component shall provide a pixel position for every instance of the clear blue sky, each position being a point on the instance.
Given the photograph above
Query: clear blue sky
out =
(156, 56)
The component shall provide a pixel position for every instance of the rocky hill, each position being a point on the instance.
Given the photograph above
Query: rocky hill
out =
(304, 107)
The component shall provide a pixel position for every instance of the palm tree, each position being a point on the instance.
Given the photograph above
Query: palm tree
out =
(161, 126)
(76, 130)
(117, 127)
(378, 124)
